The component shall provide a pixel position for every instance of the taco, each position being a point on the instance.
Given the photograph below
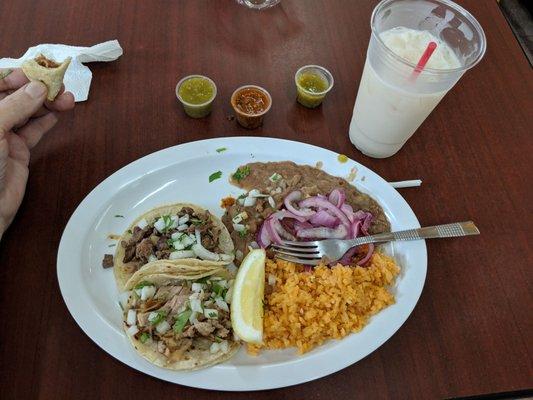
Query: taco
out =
(180, 323)
(183, 234)
(48, 72)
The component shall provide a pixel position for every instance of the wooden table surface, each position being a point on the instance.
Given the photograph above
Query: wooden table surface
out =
(471, 332)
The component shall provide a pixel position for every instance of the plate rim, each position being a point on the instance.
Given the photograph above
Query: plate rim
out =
(118, 174)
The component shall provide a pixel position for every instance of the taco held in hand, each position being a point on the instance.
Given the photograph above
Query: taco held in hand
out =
(48, 72)
(180, 323)
(182, 233)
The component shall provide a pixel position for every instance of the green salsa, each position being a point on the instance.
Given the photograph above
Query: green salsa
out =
(312, 82)
(312, 88)
(196, 91)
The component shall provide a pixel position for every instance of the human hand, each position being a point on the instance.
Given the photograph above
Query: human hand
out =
(25, 116)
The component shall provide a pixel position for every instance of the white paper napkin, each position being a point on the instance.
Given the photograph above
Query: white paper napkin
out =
(78, 76)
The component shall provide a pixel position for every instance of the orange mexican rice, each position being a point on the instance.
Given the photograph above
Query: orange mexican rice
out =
(305, 309)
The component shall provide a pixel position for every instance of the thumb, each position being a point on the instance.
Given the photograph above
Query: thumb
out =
(21, 105)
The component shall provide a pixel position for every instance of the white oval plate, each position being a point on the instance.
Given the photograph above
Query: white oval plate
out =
(180, 174)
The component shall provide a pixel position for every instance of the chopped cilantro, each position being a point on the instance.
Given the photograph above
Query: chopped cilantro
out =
(202, 280)
(121, 306)
(275, 177)
(243, 233)
(129, 231)
(196, 221)
(217, 339)
(170, 243)
(144, 337)
(241, 173)
(119, 216)
(168, 222)
(214, 176)
(112, 245)
(181, 321)
(218, 289)
(188, 247)
(160, 316)
(221, 149)
(143, 284)
(242, 196)
(212, 315)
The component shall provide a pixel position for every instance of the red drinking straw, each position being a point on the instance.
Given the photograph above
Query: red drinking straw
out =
(423, 60)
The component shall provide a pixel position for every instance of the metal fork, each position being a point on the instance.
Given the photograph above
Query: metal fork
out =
(330, 250)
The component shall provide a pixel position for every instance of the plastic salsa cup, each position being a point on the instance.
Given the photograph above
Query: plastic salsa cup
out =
(196, 93)
(250, 104)
(313, 82)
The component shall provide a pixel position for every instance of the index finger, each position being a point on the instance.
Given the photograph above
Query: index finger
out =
(13, 81)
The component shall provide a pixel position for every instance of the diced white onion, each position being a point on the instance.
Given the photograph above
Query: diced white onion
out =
(162, 327)
(196, 305)
(204, 254)
(142, 223)
(256, 193)
(132, 317)
(132, 330)
(223, 283)
(187, 240)
(193, 318)
(175, 222)
(222, 304)
(176, 255)
(271, 202)
(239, 227)
(271, 280)
(229, 294)
(254, 245)
(249, 201)
(182, 228)
(184, 219)
(232, 269)
(138, 292)
(176, 235)
(224, 346)
(241, 201)
(123, 298)
(240, 217)
(278, 190)
(211, 313)
(214, 348)
(152, 258)
(239, 255)
(197, 287)
(159, 225)
(178, 245)
(147, 292)
(152, 316)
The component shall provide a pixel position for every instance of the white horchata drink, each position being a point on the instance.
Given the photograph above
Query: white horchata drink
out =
(393, 101)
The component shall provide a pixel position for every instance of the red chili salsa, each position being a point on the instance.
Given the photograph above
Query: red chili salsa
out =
(251, 101)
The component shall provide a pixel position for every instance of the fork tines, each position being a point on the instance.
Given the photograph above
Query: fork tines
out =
(298, 252)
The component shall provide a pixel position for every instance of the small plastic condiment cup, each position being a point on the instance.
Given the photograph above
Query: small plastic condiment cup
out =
(197, 110)
(312, 99)
(250, 121)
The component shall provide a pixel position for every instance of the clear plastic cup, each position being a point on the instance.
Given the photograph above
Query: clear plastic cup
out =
(258, 4)
(197, 110)
(390, 105)
(312, 99)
